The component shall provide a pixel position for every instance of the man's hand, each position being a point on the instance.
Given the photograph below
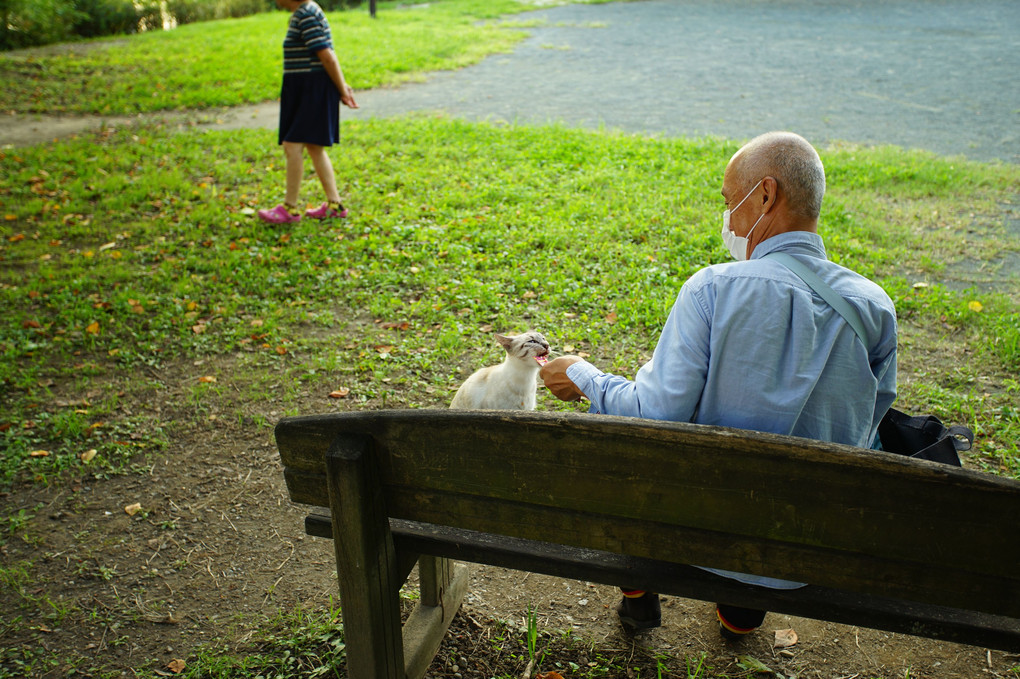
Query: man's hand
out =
(554, 374)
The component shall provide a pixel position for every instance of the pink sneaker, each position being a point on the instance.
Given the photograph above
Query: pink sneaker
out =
(278, 215)
(325, 212)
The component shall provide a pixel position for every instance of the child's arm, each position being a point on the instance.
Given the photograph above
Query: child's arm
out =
(332, 65)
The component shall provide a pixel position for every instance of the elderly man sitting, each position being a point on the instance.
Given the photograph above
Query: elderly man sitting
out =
(748, 344)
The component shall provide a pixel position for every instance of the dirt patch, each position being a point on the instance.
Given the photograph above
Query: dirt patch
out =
(217, 550)
(27, 129)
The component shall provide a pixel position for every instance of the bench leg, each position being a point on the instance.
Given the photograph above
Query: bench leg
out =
(366, 562)
(434, 575)
(443, 584)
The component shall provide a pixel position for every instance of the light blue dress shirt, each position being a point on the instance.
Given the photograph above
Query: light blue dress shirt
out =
(750, 345)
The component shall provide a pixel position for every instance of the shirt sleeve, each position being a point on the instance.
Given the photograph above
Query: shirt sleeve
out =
(884, 369)
(315, 33)
(669, 386)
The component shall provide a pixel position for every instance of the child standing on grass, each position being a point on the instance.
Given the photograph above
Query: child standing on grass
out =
(313, 89)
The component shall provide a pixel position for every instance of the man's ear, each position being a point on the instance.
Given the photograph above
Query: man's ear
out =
(770, 193)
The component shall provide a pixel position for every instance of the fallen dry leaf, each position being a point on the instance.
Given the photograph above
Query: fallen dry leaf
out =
(88, 455)
(176, 665)
(611, 317)
(342, 392)
(39, 453)
(31, 324)
(207, 378)
(92, 328)
(785, 638)
(198, 329)
(133, 508)
(548, 675)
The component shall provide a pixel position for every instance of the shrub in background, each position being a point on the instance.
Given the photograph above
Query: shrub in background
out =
(331, 5)
(106, 17)
(233, 9)
(190, 11)
(25, 23)
(150, 16)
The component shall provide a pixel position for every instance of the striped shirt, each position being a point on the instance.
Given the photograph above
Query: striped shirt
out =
(307, 34)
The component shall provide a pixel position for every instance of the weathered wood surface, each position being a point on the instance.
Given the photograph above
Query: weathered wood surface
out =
(366, 561)
(369, 572)
(863, 610)
(428, 622)
(840, 517)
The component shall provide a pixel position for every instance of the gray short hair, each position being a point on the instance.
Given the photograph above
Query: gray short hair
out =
(795, 165)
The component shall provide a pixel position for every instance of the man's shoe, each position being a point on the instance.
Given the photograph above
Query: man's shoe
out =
(733, 632)
(279, 215)
(324, 211)
(640, 613)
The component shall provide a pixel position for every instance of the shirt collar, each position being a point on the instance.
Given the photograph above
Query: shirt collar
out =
(794, 242)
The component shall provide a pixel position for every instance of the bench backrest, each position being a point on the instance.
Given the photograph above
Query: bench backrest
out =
(759, 503)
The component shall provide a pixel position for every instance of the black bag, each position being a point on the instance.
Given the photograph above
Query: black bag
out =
(923, 437)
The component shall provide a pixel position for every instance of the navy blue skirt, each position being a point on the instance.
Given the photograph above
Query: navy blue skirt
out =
(309, 109)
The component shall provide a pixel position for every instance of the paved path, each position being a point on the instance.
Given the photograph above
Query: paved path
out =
(933, 74)
(938, 75)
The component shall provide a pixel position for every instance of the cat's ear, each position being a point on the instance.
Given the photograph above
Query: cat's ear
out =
(504, 341)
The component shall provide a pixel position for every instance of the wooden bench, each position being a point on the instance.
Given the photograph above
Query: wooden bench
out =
(887, 542)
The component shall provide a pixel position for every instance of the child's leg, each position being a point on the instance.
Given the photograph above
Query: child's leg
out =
(295, 172)
(324, 169)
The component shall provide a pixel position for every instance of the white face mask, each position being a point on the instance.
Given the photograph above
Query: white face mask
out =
(737, 245)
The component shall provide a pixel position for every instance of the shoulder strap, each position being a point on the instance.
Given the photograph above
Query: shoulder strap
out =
(835, 300)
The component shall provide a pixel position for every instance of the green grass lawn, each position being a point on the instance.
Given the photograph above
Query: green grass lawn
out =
(132, 254)
(142, 249)
(226, 63)
(137, 251)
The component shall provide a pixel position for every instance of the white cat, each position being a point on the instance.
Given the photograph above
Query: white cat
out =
(509, 385)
